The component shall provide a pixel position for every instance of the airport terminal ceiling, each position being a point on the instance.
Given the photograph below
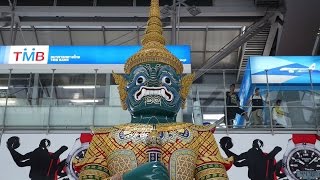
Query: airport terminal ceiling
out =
(122, 22)
(208, 26)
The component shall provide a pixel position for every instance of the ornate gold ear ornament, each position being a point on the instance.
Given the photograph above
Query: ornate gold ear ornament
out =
(121, 81)
(186, 82)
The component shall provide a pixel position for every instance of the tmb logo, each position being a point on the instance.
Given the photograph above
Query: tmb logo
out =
(32, 56)
(28, 55)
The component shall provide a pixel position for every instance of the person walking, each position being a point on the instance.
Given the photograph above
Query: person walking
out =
(257, 103)
(233, 106)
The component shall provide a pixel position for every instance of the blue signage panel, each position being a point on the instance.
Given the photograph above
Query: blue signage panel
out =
(4, 54)
(285, 69)
(79, 54)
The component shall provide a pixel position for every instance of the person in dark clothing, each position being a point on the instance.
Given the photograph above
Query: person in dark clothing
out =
(43, 164)
(233, 106)
(261, 166)
(257, 102)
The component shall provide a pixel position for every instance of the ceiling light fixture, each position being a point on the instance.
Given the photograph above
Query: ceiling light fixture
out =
(3, 87)
(76, 95)
(79, 87)
(10, 102)
(84, 100)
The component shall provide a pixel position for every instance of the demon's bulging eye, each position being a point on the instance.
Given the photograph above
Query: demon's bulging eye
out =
(140, 80)
(166, 80)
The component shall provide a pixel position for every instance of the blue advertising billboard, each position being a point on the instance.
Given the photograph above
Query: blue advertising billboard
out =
(79, 54)
(285, 69)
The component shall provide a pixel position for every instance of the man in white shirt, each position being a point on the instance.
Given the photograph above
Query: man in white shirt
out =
(257, 101)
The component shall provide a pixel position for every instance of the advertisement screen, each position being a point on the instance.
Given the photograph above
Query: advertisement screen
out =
(79, 54)
(285, 69)
(24, 156)
(77, 59)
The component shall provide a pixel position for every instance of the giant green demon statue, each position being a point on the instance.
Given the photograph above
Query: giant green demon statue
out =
(153, 145)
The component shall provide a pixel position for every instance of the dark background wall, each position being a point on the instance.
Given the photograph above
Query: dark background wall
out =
(301, 24)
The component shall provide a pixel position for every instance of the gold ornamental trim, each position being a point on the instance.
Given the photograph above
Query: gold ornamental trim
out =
(136, 127)
(203, 128)
(186, 83)
(158, 57)
(153, 45)
(121, 81)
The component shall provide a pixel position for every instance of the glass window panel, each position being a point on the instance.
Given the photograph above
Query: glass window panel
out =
(194, 38)
(118, 37)
(221, 38)
(80, 37)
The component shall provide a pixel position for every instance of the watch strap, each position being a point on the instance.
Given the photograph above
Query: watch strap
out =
(85, 137)
(304, 138)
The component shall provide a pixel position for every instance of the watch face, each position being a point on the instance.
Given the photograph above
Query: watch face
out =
(74, 158)
(303, 163)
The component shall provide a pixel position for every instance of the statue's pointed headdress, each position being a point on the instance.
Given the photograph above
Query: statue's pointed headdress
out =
(153, 44)
(153, 51)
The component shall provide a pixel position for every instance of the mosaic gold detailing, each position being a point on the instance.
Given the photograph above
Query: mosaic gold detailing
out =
(120, 80)
(186, 83)
(199, 155)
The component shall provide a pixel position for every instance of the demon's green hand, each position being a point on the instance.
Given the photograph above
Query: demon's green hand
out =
(148, 171)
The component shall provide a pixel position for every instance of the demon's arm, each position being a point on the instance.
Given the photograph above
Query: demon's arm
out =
(94, 166)
(210, 163)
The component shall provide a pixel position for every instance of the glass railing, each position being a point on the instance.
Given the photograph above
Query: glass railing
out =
(80, 101)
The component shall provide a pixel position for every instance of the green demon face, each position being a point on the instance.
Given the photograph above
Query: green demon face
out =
(153, 91)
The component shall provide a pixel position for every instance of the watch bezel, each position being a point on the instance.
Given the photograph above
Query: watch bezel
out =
(290, 151)
(77, 147)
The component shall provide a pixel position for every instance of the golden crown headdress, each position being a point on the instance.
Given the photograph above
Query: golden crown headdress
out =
(153, 44)
(153, 50)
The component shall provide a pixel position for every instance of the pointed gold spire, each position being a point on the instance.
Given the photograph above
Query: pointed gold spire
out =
(154, 26)
(153, 45)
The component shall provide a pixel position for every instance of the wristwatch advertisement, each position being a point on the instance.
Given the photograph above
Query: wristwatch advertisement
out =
(77, 153)
(302, 157)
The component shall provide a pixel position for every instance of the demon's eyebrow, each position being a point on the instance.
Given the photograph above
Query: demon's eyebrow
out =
(140, 70)
(170, 73)
(164, 69)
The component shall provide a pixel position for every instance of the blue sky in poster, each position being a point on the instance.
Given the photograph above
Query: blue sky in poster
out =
(260, 63)
(285, 69)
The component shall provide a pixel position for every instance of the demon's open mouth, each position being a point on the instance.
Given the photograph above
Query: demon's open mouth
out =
(153, 91)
